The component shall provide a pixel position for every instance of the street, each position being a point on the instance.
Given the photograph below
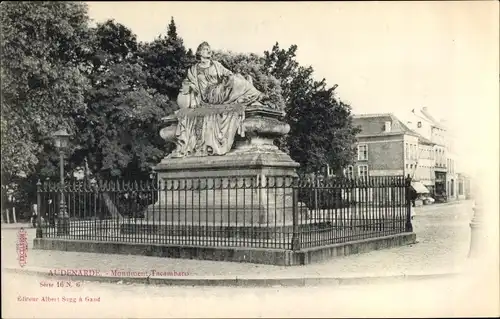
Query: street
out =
(443, 236)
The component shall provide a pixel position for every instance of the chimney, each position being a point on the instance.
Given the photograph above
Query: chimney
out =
(387, 127)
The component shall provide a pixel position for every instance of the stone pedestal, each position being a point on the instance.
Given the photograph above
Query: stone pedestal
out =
(249, 186)
(477, 241)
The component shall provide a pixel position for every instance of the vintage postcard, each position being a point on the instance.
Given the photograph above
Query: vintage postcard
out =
(250, 159)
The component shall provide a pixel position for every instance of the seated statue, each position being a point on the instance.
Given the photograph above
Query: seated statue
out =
(212, 104)
(208, 82)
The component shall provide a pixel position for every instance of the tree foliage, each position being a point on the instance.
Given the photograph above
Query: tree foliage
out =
(167, 61)
(321, 126)
(119, 130)
(43, 86)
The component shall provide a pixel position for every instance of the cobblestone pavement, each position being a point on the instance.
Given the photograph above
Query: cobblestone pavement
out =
(443, 236)
(455, 297)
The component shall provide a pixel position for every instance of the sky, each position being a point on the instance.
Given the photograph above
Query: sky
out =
(385, 56)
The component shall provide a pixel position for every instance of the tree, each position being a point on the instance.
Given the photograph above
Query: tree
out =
(119, 132)
(167, 61)
(43, 45)
(282, 65)
(321, 126)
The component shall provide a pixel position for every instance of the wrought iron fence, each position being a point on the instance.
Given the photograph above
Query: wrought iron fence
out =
(265, 212)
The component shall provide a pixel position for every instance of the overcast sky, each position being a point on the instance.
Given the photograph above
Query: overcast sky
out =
(385, 56)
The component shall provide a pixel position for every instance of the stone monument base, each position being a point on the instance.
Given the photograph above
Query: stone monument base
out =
(246, 187)
(243, 191)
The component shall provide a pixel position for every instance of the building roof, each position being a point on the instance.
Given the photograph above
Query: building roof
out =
(374, 125)
(425, 112)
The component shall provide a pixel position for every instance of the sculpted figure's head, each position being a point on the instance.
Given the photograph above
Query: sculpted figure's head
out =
(203, 51)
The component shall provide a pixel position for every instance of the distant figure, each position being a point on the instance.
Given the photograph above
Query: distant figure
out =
(413, 196)
(34, 215)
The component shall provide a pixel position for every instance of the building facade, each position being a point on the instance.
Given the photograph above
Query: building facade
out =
(435, 132)
(388, 147)
(451, 177)
(426, 163)
(463, 186)
(381, 146)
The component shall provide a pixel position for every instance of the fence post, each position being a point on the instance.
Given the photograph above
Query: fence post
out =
(295, 208)
(408, 225)
(39, 232)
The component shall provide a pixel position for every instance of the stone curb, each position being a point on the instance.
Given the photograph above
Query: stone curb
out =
(236, 281)
(16, 226)
(437, 206)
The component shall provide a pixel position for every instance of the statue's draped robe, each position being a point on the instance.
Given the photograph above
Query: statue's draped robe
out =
(209, 121)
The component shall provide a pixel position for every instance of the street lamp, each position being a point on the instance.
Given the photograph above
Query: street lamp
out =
(61, 138)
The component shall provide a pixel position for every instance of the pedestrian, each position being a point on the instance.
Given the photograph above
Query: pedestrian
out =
(414, 195)
(34, 215)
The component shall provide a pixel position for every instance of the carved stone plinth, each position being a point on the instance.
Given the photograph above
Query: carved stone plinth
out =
(261, 127)
(252, 181)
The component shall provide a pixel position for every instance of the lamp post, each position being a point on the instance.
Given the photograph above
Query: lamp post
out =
(61, 139)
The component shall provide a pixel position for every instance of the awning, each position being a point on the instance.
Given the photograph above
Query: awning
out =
(419, 188)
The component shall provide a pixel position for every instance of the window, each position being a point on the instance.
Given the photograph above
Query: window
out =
(363, 152)
(348, 172)
(419, 124)
(407, 151)
(387, 126)
(363, 171)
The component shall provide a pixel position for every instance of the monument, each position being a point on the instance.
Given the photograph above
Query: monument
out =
(225, 169)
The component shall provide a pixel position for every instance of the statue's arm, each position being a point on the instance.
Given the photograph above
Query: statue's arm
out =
(225, 72)
(222, 70)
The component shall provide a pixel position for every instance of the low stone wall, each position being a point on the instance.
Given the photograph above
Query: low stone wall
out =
(234, 254)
